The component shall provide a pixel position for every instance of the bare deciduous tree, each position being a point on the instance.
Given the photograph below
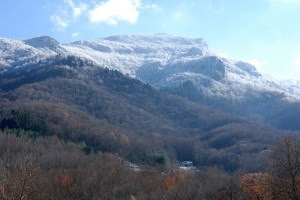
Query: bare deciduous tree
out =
(285, 168)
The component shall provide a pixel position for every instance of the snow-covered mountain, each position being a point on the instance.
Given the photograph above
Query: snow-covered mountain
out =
(183, 66)
(16, 53)
(160, 59)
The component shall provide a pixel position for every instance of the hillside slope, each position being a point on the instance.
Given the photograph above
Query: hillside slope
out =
(110, 112)
(181, 66)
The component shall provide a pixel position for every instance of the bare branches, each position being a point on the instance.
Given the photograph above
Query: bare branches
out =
(285, 168)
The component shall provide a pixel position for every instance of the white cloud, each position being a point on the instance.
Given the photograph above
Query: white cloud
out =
(67, 14)
(113, 11)
(150, 6)
(77, 10)
(75, 35)
(59, 23)
(99, 11)
(259, 64)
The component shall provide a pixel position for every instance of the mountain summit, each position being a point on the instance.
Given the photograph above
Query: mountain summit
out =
(181, 66)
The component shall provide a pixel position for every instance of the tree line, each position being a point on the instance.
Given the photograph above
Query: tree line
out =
(49, 168)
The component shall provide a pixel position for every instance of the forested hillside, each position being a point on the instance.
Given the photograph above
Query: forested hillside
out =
(73, 130)
(73, 99)
(181, 66)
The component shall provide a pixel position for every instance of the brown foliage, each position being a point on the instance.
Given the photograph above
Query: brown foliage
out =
(173, 180)
(256, 186)
(66, 181)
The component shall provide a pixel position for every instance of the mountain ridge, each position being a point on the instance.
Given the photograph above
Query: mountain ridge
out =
(181, 66)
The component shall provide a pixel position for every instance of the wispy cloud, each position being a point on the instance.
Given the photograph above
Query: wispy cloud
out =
(76, 10)
(113, 11)
(59, 23)
(67, 13)
(75, 35)
(110, 12)
(259, 64)
(149, 6)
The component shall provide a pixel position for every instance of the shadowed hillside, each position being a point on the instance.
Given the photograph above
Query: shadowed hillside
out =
(110, 112)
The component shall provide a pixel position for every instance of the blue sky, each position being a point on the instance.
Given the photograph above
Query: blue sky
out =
(263, 32)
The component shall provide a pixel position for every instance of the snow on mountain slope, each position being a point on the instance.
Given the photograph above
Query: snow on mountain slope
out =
(161, 60)
(16, 53)
(45, 43)
(127, 53)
